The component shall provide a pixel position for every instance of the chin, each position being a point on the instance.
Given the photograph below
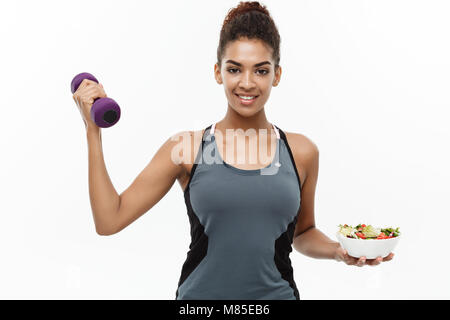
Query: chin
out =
(246, 113)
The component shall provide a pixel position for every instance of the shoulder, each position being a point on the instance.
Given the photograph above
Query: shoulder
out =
(304, 150)
(185, 145)
(187, 136)
(301, 145)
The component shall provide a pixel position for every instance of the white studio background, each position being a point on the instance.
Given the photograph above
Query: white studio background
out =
(367, 81)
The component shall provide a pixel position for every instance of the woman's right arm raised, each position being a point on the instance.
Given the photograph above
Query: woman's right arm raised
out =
(113, 212)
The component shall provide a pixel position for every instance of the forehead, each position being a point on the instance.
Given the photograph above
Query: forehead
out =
(248, 51)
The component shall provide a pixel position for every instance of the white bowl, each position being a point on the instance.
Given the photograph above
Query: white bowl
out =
(369, 248)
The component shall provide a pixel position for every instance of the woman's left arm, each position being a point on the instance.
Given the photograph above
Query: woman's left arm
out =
(309, 240)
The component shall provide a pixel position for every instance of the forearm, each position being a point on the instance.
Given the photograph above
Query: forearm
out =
(315, 244)
(104, 198)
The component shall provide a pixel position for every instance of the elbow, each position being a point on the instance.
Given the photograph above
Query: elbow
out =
(104, 231)
(299, 233)
(106, 225)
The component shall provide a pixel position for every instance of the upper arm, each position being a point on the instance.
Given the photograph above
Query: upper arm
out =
(150, 186)
(306, 155)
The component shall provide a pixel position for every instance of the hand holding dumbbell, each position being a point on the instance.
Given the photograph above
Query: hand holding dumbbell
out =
(91, 99)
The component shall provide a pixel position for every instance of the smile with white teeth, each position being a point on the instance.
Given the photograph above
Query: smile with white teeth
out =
(246, 97)
(246, 100)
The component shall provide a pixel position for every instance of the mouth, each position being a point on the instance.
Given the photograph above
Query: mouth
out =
(246, 101)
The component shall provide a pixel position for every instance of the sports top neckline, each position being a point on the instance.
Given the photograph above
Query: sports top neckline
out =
(213, 127)
(274, 162)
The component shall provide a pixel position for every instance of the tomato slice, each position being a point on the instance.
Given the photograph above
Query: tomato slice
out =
(361, 235)
(382, 235)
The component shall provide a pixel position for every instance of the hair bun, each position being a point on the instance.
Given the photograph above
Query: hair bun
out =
(250, 20)
(244, 7)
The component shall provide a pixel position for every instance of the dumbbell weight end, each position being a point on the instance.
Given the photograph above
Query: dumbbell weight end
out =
(105, 112)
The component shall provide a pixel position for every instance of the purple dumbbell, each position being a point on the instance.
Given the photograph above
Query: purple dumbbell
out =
(105, 112)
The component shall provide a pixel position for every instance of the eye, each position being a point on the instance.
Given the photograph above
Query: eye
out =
(265, 71)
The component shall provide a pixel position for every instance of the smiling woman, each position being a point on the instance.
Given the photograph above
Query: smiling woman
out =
(250, 46)
(244, 218)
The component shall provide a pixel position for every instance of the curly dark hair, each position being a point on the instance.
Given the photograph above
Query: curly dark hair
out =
(253, 21)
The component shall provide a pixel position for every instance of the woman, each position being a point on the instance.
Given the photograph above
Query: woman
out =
(244, 217)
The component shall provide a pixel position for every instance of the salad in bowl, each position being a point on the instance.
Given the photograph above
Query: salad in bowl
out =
(362, 231)
(367, 240)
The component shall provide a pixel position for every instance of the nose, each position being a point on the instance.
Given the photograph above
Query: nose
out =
(246, 82)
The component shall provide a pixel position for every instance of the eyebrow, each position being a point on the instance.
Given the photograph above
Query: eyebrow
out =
(240, 65)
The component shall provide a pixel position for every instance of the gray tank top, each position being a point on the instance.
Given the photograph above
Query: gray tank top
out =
(242, 225)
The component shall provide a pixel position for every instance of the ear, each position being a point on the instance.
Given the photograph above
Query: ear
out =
(217, 74)
(277, 77)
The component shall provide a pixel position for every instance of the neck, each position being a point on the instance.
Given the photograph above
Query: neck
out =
(234, 120)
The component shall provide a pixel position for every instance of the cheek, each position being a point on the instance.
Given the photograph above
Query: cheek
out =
(229, 82)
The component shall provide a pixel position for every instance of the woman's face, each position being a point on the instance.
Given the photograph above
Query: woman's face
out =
(247, 69)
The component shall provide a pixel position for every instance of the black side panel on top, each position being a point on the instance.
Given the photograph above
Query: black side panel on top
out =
(283, 247)
(199, 240)
(199, 243)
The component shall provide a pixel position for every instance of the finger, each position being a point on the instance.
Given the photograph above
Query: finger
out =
(90, 94)
(98, 87)
(389, 257)
(341, 253)
(95, 92)
(77, 100)
(87, 100)
(82, 88)
(86, 83)
(350, 260)
(361, 261)
(374, 262)
(103, 91)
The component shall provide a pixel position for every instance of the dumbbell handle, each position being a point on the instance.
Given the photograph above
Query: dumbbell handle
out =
(105, 112)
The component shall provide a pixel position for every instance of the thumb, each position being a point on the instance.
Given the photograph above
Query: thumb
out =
(341, 252)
